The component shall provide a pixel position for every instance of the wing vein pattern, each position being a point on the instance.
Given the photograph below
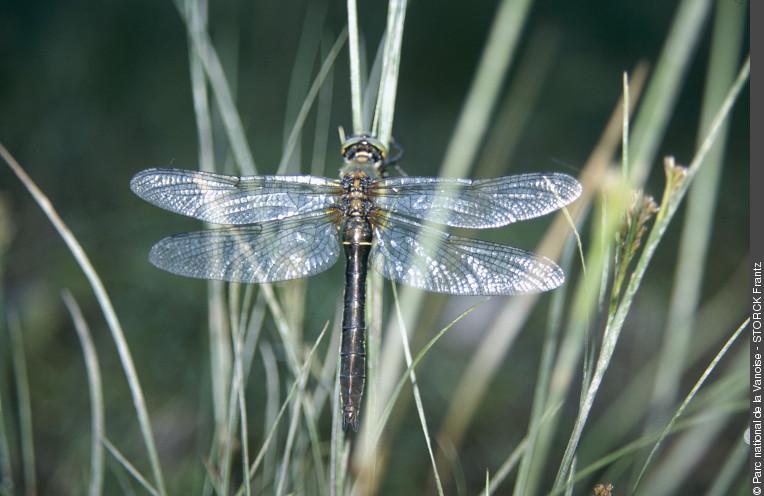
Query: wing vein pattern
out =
(273, 251)
(411, 253)
(476, 204)
(234, 200)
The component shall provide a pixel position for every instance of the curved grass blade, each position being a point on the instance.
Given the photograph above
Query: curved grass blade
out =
(295, 386)
(688, 398)
(107, 308)
(417, 395)
(672, 198)
(399, 386)
(96, 394)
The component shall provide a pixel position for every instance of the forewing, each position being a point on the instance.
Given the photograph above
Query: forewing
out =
(273, 251)
(407, 252)
(223, 199)
(479, 203)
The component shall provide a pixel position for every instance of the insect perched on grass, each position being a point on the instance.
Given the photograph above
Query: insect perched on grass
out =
(288, 227)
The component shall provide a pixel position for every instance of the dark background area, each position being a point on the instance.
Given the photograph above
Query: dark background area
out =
(92, 92)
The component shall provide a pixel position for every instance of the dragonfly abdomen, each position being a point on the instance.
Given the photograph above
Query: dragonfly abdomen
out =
(356, 239)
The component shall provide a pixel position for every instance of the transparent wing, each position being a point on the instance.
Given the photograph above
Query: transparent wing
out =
(273, 251)
(479, 203)
(223, 199)
(407, 252)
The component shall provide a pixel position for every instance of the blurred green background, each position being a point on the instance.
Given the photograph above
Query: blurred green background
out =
(92, 92)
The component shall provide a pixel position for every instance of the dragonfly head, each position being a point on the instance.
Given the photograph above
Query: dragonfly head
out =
(363, 152)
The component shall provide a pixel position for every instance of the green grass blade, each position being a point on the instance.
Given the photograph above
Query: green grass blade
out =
(643, 441)
(213, 68)
(303, 60)
(355, 68)
(736, 460)
(520, 450)
(217, 327)
(96, 393)
(417, 394)
(125, 463)
(478, 107)
(585, 298)
(622, 415)
(520, 102)
(673, 196)
(107, 308)
(422, 353)
(382, 126)
(661, 94)
(371, 88)
(291, 434)
(626, 122)
(293, 389)
(499, 338)
(688, 399)
(323, 116)
(271, 410)
(701, 202)
(310, 98)
(6, 470)
(529, 473)
(26, 431)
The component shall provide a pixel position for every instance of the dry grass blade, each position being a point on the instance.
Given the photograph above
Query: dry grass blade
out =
(106, 307)
(96, 394)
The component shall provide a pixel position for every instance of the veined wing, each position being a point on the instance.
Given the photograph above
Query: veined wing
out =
(481, 203)
(405, 251)
(273, 251)
(223, 199)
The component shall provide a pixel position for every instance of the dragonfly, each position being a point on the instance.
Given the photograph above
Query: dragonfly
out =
(282, 227)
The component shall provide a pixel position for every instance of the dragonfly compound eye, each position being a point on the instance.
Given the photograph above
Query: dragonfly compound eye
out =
(364, 150)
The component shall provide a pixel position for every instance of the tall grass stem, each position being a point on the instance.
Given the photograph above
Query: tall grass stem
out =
(107, 308)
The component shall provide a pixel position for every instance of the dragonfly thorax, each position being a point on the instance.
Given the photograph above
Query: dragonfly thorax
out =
(356, 206)
(355, 198)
